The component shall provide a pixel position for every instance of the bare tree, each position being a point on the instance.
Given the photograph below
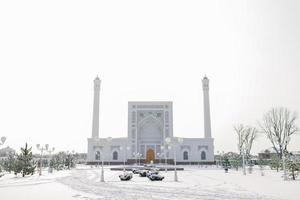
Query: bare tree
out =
(240, 131)
(246, 136)
(250, 135)
(279, 124)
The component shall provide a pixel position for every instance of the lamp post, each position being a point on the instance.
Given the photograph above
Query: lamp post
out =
(108, 140)
(3, 139)
(126, 148)
(97, 156)
(160, 156)
(139, 157)
(134, 155)
(163, 148)
(50, 158)
(42, 149)
(102, 169)
(286, 141)
(169, 150)
(175, 142)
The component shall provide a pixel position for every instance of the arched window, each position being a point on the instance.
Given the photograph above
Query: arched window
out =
(185, 155)
(97, 155)
(203, 155)
(115, 155)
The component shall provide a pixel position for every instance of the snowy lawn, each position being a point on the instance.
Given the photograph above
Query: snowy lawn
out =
(194, 183)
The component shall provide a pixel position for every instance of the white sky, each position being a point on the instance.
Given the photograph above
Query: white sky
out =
(50, 52)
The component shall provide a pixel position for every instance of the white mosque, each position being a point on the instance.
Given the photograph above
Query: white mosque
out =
(150, 135)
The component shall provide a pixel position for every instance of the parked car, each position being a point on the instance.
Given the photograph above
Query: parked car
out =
(126, 176)
(135, 171)
(143, 173)
(156, 177)
(150, 172)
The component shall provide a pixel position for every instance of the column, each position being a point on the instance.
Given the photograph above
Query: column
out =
(95, 128)
(207, 125)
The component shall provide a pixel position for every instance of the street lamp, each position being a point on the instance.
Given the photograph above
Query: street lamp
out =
(102, 170)
(165, 155)
(97, 157)
(108, 140)
(286, 141)
(3, 139)
(127, 148)
(139, 157)
(169, 147)
(42, 149)
(99, 154)
(175, 142)
(179, 141)
(50, 158)
(159, 155)
(134, 155)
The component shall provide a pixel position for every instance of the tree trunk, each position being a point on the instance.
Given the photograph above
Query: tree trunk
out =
(280, 152)
(293, 174)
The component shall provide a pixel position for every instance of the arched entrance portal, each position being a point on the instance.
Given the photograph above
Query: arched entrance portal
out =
(150, 156)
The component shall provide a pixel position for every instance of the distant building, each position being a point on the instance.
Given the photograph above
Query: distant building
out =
(267, 154)
(296, 155)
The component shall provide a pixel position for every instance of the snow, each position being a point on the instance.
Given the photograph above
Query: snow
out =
(194, 183)
(37, 187)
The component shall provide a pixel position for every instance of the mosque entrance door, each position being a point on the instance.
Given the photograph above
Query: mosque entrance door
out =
(150, 156)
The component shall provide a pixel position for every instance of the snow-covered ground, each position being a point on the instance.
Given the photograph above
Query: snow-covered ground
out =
(194, 183)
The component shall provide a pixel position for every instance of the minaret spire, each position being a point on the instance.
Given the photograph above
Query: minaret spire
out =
(207, 125)
(95, 128)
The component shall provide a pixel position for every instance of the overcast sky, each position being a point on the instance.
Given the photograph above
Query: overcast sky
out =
(50, 52)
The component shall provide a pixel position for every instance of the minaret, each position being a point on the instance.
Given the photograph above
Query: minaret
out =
(207, 126)
(95, 129)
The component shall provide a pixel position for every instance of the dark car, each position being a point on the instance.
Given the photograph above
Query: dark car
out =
(143, 173)
(156, 177)
(126, 176)
(150, 172)
(135, 171)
